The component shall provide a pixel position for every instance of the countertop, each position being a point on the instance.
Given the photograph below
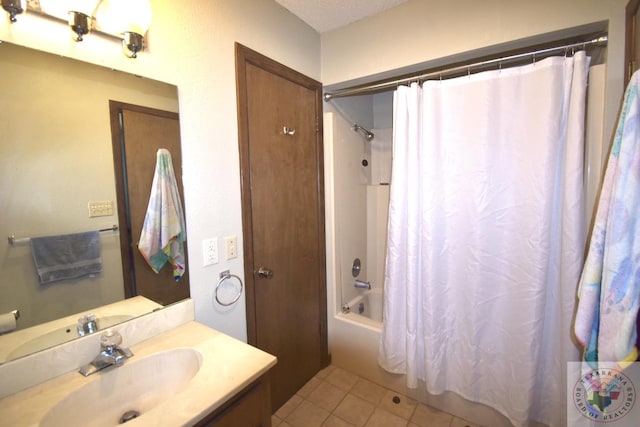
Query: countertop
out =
(228, 366)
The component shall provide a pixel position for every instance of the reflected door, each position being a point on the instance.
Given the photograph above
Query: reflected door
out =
(137, 134)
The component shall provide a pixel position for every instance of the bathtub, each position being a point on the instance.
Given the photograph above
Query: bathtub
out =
(365, 308)
(354, 340)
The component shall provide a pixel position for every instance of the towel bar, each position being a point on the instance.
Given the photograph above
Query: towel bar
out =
(13, 239)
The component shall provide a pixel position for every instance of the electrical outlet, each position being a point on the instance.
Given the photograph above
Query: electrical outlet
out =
(210, 251)
(230, 247)
(101, 208)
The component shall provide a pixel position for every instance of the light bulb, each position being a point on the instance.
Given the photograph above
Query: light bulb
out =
(86, 7)
(120, 16)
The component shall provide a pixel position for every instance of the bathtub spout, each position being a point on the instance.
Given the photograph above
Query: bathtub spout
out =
(362, 285)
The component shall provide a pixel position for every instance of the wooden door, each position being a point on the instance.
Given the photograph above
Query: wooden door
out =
(137, 134)
(632, 39)
(281, 156)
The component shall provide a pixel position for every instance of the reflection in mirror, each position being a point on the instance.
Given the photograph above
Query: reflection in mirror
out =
(56, 160)
(30, 340)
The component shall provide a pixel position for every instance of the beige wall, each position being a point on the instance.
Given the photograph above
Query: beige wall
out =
(421, 31)
(192, 45)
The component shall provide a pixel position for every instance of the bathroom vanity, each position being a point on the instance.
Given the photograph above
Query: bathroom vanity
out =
(250, 407)
(188, 374)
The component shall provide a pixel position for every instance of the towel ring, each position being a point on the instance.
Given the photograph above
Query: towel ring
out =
(224, 276)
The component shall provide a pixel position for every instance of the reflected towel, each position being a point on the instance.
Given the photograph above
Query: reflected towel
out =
(164, 232)
(609, 292)
(67, 256)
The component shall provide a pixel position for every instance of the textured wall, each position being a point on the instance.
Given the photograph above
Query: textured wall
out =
(421, 31)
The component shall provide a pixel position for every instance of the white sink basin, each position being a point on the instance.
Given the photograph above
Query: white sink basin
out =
(175, 378)
(138, 385)
(61, 335)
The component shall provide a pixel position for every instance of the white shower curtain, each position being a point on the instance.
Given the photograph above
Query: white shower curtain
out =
(485, 236)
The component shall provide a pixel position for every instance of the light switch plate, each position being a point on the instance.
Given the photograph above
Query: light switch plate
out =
(230, 247)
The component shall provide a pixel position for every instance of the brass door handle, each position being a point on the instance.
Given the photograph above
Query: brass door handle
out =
(265, 273)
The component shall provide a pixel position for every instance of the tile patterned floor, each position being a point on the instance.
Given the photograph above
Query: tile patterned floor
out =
(338, 398)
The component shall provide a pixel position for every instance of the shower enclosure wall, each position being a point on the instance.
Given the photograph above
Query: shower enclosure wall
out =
(362, 171)
(357, 198)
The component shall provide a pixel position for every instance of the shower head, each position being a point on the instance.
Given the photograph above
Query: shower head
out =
(368, 135)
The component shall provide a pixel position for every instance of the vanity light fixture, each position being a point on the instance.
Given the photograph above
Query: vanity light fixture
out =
(13, 8)
(132, 43)
(79, 15)
(80, 23)
(129, 18)
(138, 20)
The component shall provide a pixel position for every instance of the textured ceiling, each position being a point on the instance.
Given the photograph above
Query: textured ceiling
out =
(326, 15)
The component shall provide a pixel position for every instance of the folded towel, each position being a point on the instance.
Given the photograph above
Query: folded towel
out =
(609, 292)
(66, 256)
(164, 232)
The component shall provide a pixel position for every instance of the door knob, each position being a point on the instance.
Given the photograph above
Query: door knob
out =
(265, 273)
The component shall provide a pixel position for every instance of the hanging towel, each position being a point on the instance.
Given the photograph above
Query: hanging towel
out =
(67, 256)
(609, 290)
(164, 232)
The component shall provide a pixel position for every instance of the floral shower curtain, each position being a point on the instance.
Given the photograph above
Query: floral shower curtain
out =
(486, 237)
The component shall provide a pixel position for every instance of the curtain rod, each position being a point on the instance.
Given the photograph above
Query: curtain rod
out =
(602, 41)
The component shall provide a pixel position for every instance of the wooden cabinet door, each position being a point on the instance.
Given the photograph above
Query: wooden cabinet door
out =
(249, 408)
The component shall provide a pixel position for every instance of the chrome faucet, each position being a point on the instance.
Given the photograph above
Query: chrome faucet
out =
(111, 354)
(87, 324)
(362, 284)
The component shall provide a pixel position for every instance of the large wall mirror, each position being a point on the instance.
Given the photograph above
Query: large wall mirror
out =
(56, 158)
